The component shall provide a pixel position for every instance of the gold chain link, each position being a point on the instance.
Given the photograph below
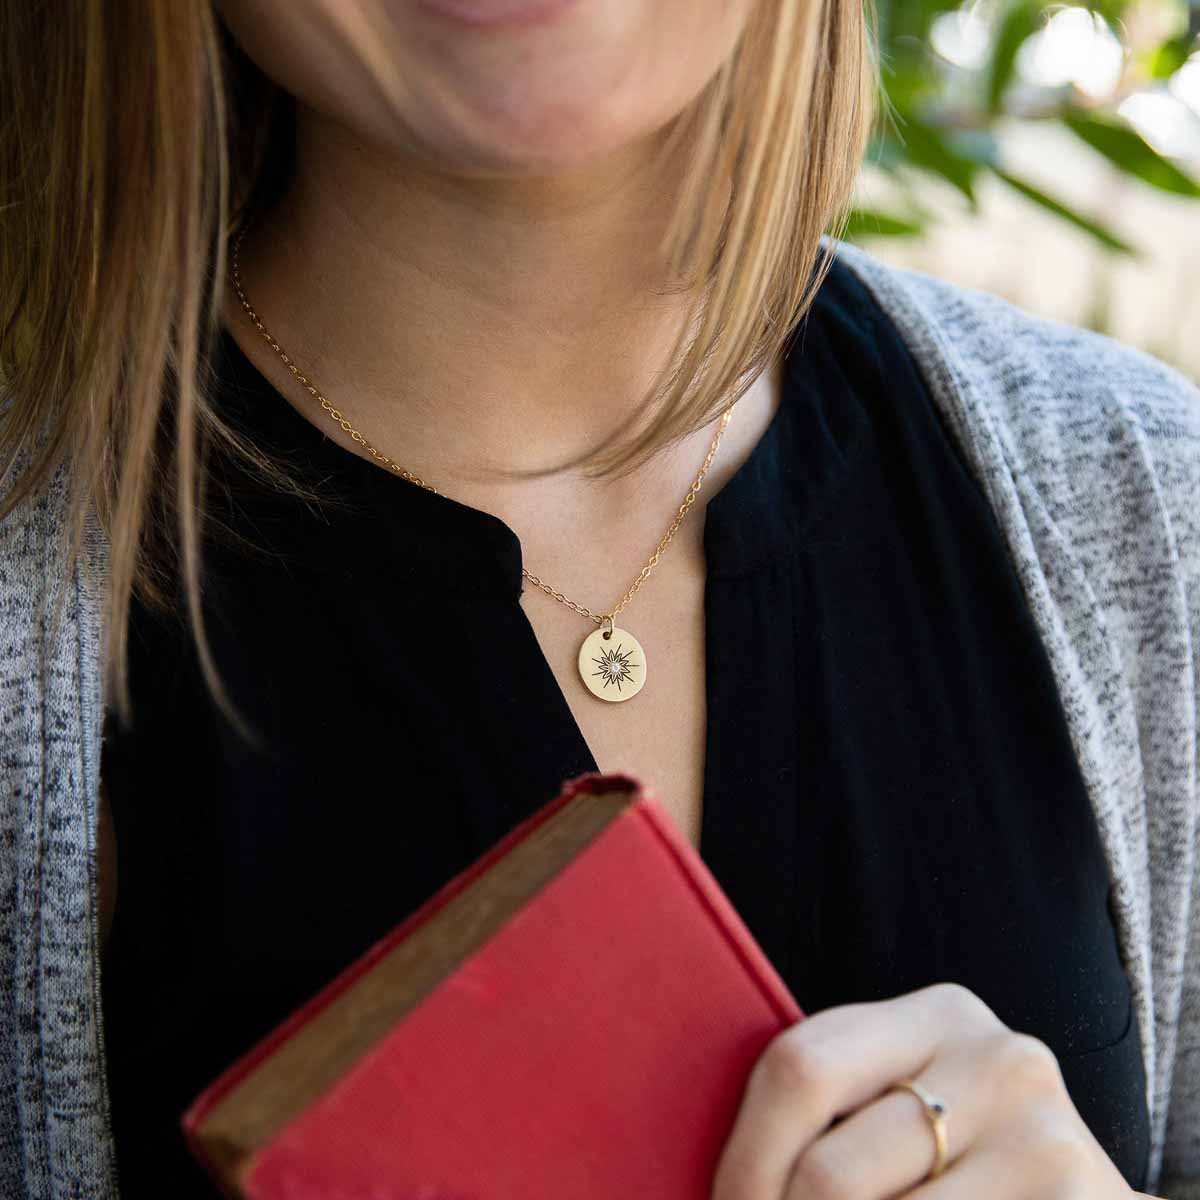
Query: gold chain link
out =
(336, 414)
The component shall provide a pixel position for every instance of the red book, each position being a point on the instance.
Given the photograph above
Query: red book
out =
(572, 1017)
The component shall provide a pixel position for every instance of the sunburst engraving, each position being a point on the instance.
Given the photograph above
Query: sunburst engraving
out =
(614, 667)
(612, 664)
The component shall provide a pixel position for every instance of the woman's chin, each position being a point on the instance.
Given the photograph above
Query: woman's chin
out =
(553, 138)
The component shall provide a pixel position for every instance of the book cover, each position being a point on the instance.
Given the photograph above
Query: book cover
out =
(573, 1015)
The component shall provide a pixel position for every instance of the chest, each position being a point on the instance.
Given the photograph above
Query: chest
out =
(659, 734)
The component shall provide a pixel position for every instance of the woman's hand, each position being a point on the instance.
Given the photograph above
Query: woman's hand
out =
(818, 1121)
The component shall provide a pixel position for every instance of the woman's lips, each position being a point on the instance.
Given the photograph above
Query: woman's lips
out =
(496, 12)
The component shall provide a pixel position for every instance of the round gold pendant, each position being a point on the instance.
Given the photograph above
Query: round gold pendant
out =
(612, 666)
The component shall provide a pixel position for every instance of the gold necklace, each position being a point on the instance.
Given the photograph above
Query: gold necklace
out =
(609, 673)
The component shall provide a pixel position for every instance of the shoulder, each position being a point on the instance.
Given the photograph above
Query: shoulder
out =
(1097, 426)
(1024, 366)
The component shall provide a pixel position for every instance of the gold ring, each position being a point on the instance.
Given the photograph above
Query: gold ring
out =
(935, 1109)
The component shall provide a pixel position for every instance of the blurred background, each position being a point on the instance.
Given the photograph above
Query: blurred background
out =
(1047, 152)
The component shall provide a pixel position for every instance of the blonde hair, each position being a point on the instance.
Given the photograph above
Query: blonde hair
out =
(137, 139)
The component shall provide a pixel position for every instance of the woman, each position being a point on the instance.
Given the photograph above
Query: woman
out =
(913, 664)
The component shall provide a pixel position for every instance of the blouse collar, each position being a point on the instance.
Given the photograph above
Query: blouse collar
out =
(758, 517)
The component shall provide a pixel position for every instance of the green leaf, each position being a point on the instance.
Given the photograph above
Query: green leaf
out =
(1020, 19)
(978, 145)
(1103, 235)
(884, 150)
(865, 223)
(928, 148)
(905, 24)
(1127, 149)
(1167, 58)
(908, 83)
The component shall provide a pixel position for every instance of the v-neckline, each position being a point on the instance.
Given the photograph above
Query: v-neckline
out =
(752, 525)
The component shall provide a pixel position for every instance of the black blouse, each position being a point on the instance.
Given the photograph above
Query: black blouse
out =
(890, 793)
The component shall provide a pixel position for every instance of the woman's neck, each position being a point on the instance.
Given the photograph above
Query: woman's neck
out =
(470, 325)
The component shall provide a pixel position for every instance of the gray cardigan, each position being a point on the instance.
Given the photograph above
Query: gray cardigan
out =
(1089, 451)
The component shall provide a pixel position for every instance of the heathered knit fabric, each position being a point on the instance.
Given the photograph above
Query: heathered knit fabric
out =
(1089, 451)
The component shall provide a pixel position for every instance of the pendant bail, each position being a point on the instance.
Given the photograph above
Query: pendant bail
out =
(609, 632)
